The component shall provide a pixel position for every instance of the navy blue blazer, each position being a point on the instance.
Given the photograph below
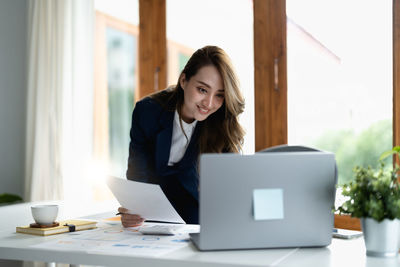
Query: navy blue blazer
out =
(151, 134)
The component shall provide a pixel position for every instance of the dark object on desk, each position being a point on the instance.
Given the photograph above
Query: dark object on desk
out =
(36, 225)
(71, 227)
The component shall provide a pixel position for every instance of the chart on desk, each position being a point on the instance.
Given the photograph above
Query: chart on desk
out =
(114, 239)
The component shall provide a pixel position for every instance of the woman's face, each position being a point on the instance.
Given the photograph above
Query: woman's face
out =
(203, 94)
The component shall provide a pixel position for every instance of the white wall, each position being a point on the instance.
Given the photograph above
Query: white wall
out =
(13, 60)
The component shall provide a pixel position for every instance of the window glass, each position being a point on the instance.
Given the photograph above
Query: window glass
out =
(340, 79)
(183, 59)
(123, 10)
(116, 82)
(121, 54)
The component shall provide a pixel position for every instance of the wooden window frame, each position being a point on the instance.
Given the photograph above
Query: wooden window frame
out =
(152, 46)
(270, 75)
(154, 69)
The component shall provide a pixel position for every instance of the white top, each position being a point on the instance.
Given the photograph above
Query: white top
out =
(179, 143)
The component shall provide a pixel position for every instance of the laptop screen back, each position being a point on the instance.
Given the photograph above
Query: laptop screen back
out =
(266, 200)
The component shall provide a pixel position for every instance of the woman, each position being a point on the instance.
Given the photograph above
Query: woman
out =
(171, 128)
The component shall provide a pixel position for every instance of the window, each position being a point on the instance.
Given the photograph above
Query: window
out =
(178, 56)
(116, 82)
(270, 43)
(340, 79)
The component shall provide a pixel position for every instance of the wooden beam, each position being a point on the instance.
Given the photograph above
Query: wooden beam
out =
(270, 77)
(152, 46)
(396, 73)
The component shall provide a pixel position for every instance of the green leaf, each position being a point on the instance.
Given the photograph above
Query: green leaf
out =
(374, 193)
(387, 154)
(394, 150)
(9, 198)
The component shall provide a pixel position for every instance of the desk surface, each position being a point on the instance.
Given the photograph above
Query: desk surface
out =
(15, 246)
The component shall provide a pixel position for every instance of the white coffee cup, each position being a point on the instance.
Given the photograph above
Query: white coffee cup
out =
(44, 214)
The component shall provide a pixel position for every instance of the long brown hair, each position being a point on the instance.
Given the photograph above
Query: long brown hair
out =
(221, 131)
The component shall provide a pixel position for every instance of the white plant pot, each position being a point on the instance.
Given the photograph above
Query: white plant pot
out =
(381, 238)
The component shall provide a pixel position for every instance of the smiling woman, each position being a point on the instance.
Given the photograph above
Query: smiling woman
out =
(203, 94)
(172, 127)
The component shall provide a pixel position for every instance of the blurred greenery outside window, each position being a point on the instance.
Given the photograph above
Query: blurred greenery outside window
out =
(121, 64)
(353, 149)
(183, 59)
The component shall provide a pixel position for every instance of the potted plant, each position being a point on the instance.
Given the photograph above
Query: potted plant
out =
(9, 199)
(374, 197)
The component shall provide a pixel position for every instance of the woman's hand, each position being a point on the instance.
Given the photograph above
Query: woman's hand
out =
(130, 220)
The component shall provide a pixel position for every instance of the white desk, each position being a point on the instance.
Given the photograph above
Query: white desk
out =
(15, 246)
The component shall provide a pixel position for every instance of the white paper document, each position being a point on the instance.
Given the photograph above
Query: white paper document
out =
(147, 200)
(117, 240)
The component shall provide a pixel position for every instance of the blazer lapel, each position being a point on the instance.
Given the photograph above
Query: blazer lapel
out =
(164, 137)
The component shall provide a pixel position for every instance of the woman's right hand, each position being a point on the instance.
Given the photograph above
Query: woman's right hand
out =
(130, 220)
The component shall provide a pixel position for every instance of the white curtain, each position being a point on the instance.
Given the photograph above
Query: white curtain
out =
(60, 96)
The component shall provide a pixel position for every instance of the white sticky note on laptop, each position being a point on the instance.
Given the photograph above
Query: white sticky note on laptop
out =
(268, 204)
(147, 200)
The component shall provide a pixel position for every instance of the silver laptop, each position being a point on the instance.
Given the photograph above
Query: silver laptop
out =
(266, 200)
